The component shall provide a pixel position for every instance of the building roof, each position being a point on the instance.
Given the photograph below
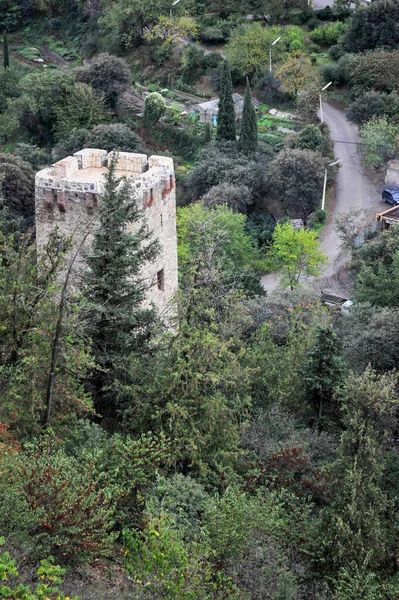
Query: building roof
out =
(212, 106)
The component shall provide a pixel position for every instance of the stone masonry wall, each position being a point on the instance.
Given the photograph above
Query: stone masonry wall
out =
(68, 195)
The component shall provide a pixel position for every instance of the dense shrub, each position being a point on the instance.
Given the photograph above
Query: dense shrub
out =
(108, 75)
(60, 506)
(223, 163)
(260, 226)
(237, 197)
(18, 186)
(372, 104)
(337, 73)
(328, 34)
(336, 52)
(375, 26)
(378, 70)
(115, 136)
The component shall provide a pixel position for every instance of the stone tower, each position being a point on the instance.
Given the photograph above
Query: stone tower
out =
(68, 195)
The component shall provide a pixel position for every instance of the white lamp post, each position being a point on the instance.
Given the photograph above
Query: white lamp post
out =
(323, 200)
(174, 3)
(270, 53)
(321, 103)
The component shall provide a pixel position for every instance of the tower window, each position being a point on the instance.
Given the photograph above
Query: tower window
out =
(161, 280)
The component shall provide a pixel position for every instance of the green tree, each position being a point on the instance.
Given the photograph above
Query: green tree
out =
(310, 138)
(276, 11)
(296, 74)
(216, 238)
(308, 104)
(18, 187)
(223, 163)
(248, 48)
(61, 506)
(226, 126)
(114, 136)
(372, 105)
(123, 23)
(381, 140)
(374, 26)
(108, 75)
(115, 288)
(297, 253)
(358, 522)
(323, 371)
(6, 58)
(248, 141)
(377, 70)
(297, 177)
(376, 267)
(82, 108)
(29, 308)
(42, 93)
(154, 108)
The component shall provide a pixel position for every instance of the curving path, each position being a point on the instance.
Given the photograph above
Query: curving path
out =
(354, 190)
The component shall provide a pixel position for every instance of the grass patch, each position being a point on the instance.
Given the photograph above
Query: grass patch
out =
(28, 52)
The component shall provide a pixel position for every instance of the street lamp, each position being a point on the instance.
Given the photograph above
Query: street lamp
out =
(174, 3)
(270, 52)
(323, 200)
(321, 103)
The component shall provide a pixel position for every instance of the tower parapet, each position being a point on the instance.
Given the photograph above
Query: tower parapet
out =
(68, 195)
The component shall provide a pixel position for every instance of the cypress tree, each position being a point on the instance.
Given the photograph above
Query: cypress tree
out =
(226, 129)
(6, 58)
(248, 141)
(115, 288)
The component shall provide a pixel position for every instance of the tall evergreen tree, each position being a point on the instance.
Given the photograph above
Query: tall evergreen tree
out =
(323, 371)
(115, 288)
(6, 58)
(248, 141)
(226, 129)
(359, 519)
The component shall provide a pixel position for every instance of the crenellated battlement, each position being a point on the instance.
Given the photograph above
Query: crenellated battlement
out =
(68, 195)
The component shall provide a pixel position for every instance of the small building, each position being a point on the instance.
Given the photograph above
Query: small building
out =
(208, 111)
(388, 217)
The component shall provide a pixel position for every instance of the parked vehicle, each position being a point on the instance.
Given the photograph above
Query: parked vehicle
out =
(391, 195)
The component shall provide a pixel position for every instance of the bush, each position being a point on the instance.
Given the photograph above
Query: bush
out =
(18, 186)
(313, 23)
(336, 51)
(237, 197)
(337, 73)
(372, 104)
(212, 60)
(328, 34)
(108, 75)
(115, 136)
(223, 163)
(75, 142)
(212, 35)
(267, 87)
(60, 506)
(154, 107)
(35, 156)
(260, 226)
(319, 216)
(378, 70)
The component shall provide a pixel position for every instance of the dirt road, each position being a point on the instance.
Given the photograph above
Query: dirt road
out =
(354, 190)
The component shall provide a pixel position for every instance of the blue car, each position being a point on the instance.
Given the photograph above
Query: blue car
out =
(391, 195)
